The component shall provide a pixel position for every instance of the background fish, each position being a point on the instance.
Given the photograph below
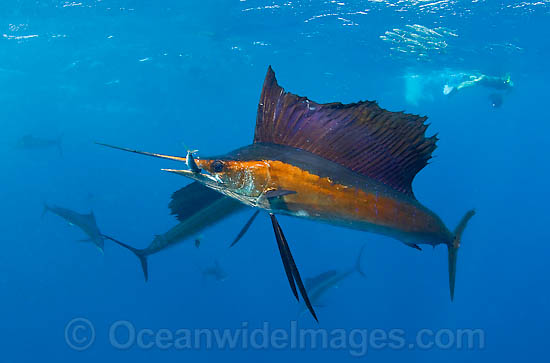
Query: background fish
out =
(86, 222)
(30, 142)
(319, 285)
(196, 207)
(215, 271)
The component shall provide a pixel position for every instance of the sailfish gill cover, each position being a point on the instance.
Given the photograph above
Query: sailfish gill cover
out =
(174, 77)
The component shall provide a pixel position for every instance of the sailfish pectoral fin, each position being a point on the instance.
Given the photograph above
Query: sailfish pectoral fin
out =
(291, 270)
(413, 245)
(161, 156)
(245, 228)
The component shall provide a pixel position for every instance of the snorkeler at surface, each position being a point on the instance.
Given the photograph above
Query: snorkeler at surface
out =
(497, 83)
(426, 86)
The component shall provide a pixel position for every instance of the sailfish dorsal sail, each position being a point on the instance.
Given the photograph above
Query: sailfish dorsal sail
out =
(390, 147)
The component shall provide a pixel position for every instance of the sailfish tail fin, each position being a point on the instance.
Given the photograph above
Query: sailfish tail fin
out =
(139, 253)
(453, 249)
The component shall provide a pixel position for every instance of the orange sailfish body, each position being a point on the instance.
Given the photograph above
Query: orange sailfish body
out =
(350, 165)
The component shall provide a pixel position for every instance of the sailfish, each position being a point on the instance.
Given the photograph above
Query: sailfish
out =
(196, 207)
(349, 165)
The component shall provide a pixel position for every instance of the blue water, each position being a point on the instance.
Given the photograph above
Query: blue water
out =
(156, 75)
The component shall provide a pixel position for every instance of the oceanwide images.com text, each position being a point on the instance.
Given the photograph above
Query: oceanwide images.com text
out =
(80, 335)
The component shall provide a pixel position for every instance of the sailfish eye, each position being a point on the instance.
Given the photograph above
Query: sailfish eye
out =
(216, 166)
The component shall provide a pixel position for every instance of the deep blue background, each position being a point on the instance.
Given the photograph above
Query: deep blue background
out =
(155, 74)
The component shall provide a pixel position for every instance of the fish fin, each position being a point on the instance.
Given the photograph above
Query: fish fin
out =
(290, 266)
(358, 262)
(141, 255)
(161, 156)
(92, 217)
(245, 228)
(413, 245)
(193, 198)
(390, 147)
(277, 193)
(284, 257)
(453, 249)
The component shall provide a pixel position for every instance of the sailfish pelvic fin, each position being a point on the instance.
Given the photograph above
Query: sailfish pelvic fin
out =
(289, 264)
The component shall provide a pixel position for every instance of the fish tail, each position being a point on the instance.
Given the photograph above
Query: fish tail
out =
(358, 263)
(140, 253)
(453, 249)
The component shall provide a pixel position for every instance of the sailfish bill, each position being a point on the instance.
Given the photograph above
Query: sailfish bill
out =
(160, 156)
